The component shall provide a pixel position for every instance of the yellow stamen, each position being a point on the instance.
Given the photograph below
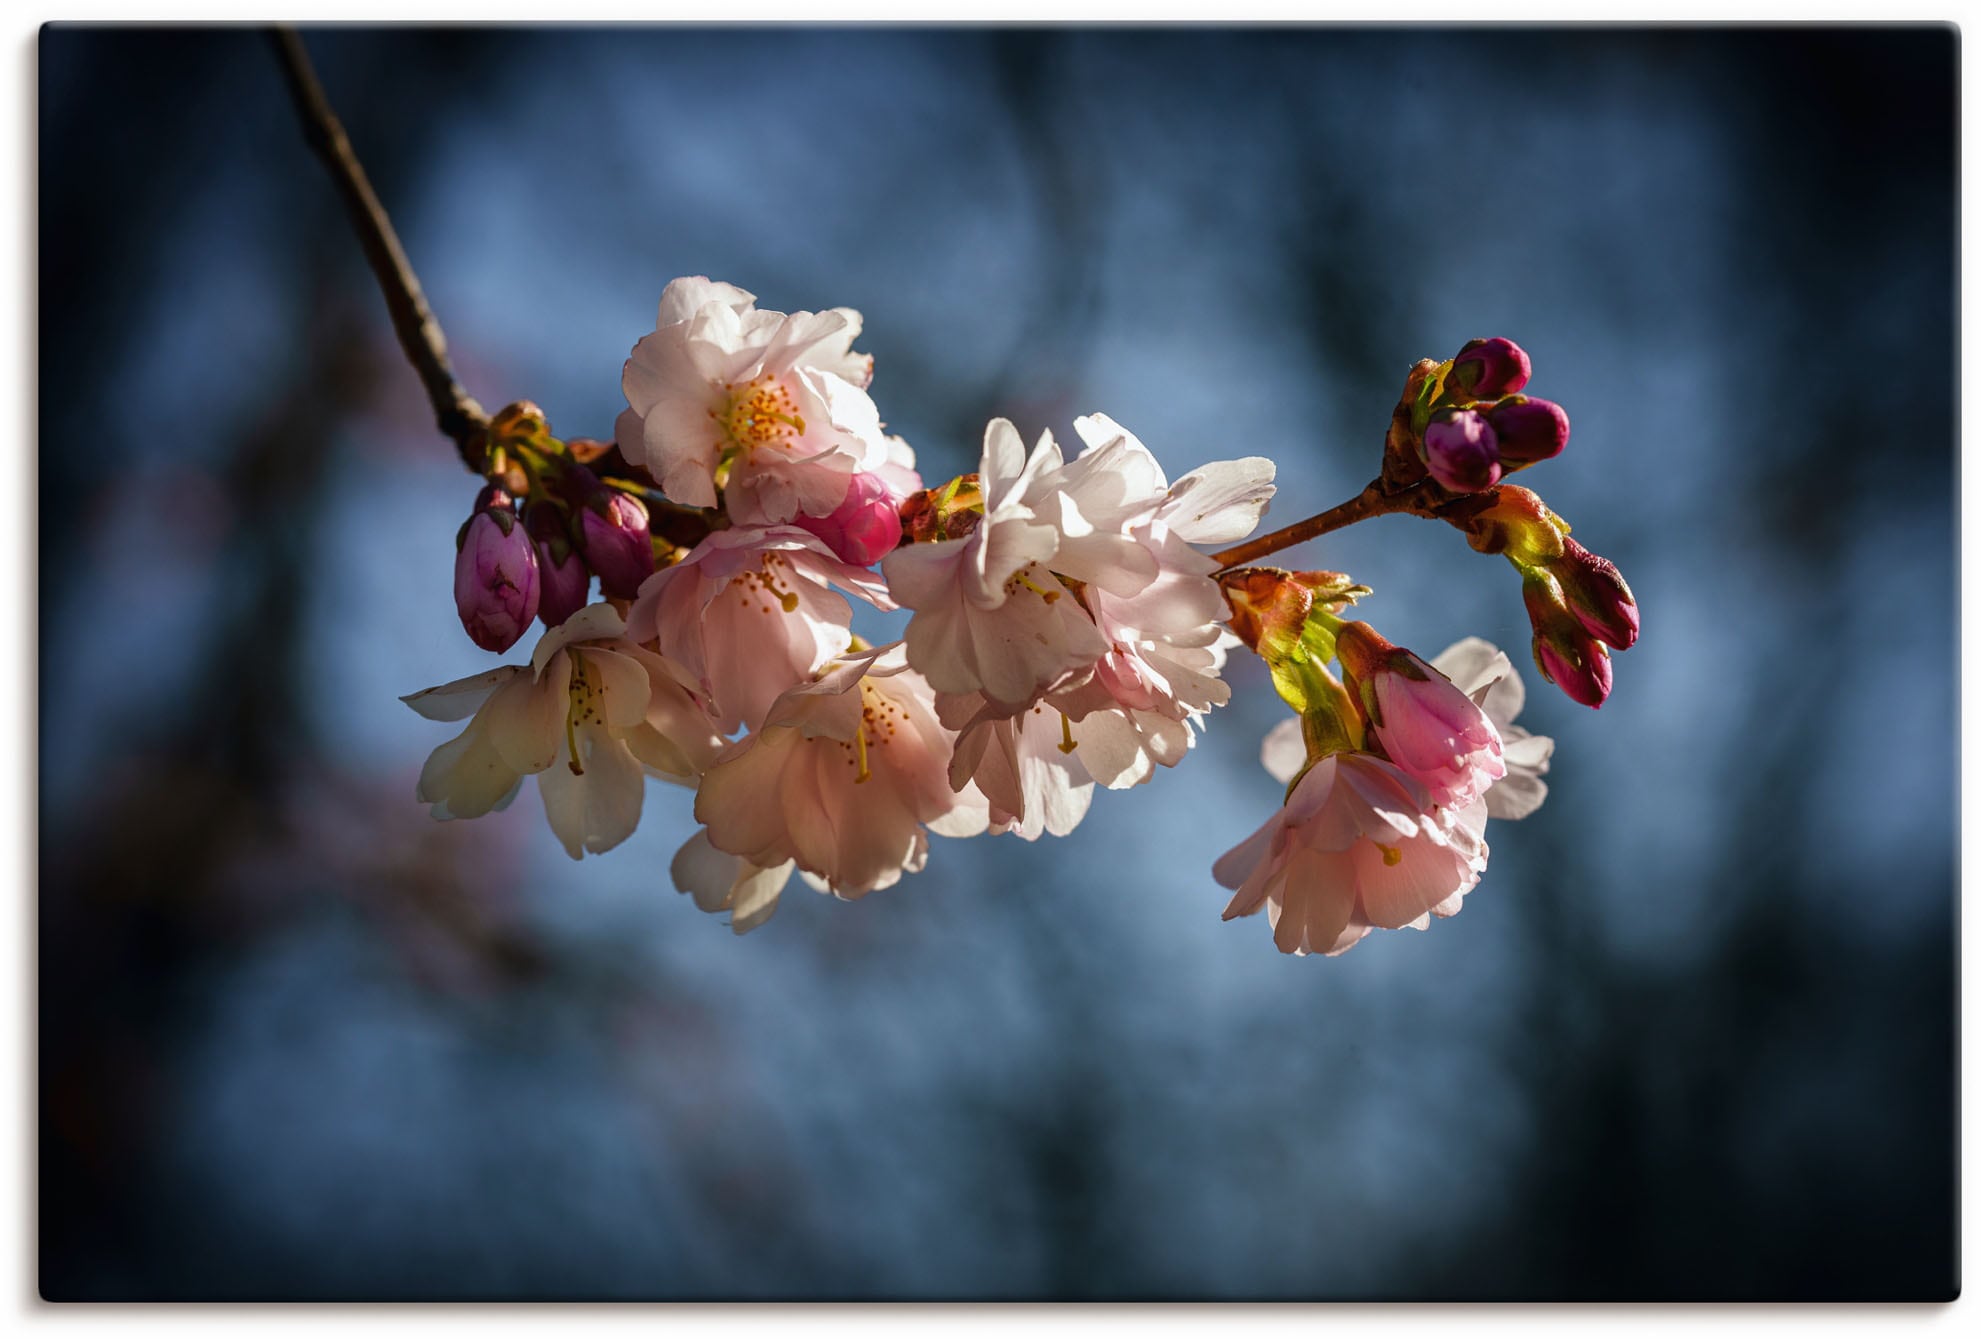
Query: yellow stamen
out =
(760, 413)
(1391, 855)
(860, 751)
(1066, 744)
(1048, 595)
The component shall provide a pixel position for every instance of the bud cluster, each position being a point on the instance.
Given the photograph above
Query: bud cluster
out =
(1470, 426)
(1577, 601)
(575, 525)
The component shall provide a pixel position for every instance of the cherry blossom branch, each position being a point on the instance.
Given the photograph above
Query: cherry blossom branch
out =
(459, 416)
(1371, 501)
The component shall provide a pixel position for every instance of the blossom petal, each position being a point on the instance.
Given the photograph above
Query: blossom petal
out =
(735, 799)
(526, 717)
(1222, 502)
(622, 683)
(1315, 902)
(595, 622)
(596, 810)
(458, 700)
(466, 777)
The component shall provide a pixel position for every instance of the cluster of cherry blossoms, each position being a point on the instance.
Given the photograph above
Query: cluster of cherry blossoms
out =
(1067, 630)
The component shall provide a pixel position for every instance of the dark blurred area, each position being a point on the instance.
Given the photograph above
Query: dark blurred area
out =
(1691, 1038)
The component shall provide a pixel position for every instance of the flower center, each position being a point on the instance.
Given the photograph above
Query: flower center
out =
(759, 413)
(584, 694)
(761, 587)
(1023, 581)
(879, 720)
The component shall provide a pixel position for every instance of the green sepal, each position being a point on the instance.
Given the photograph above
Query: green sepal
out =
(1428, 395)
(1299, 664)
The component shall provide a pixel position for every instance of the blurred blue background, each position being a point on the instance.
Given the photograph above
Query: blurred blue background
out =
(1691, 1038)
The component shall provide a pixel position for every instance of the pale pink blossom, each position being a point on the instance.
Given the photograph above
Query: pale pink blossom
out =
(846, 777)
(779, 398)
(590, 717)
(1424, 723)
(1482, 672)
(1357, 846)
(749, 612)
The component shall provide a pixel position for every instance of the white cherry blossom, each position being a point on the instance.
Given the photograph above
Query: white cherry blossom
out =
(590, 717)
(993, 610)
(778, 400)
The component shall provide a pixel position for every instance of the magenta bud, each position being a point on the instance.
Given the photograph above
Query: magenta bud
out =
(1529, 430)
(567, 582)
(495, 580)
(1462, 451)
(617, 544)
(1583, 672)
(863, 529)
(1568, 656)
(1596, 594)
(1486, 369)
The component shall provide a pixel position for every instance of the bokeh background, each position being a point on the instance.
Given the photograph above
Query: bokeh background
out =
(1693, 1037)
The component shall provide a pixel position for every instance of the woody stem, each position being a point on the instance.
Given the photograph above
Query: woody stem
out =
(459, 416)
(1371, 501)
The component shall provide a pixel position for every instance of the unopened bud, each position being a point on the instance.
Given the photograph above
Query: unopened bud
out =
(1518, 524)
(1529, 430)
(613, 533)
(863, 529)
(1596, 594)
(1269, 605)
(1364, 652)
(1566, 654)
(1462, 451)
(566, 581)
(495, 576)
(1486, 369)
(949, 512)
(521, 421)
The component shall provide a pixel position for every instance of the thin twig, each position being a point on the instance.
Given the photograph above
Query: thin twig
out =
(457, 412)
(1371, 501)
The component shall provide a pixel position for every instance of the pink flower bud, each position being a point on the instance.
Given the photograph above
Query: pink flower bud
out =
(1462, 451)
(1433, 732)
(1596, 595)
(863, 529)
(612, 530)
(567, 582)
(495, 576)
(1529, 430)
(1567, 655)
(1486, 369)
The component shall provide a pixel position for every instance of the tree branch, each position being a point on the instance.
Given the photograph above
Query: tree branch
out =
(457, 412)
(1371, 501)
